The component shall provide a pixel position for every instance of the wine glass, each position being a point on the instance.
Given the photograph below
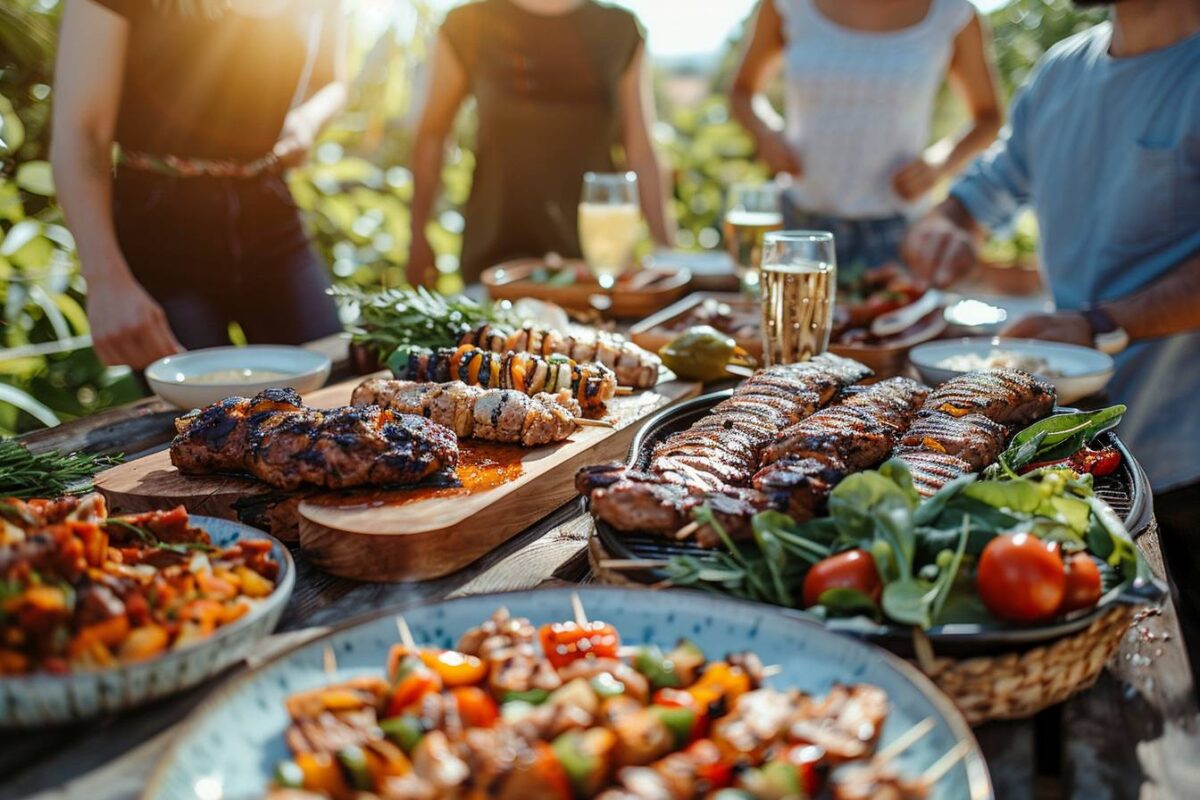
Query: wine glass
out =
(798, 280)
(609, 223)
(752, 210)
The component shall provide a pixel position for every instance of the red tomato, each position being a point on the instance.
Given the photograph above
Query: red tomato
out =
(853, 569)
(1021, 578)
(1083, 586)
(564, 642)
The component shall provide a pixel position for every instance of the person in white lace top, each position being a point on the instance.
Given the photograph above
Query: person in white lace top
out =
(861, 77)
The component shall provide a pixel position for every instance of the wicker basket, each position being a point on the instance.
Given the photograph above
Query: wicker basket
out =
(1004, 686)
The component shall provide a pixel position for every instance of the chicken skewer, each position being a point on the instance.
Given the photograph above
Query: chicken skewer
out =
(278, 440)
(471, 412)
(633, 365)
(592, 385)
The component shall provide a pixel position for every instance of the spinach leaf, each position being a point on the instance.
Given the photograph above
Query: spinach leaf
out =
(774, 558)
(1058, 436)
(909, 601)
(846, 602)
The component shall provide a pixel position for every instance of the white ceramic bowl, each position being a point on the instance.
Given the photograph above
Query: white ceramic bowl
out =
(1083, 371)
(180, 379)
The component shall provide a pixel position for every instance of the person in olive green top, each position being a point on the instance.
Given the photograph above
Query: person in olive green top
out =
(557, 84)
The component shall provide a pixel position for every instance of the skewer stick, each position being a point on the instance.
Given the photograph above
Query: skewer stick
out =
(903, 741)
(771, 670)
(623, 391)
(584, 422)
(686, 531)
(577, 607)
(406, 637)
(330, 659)
(632, 563)
(944, 764)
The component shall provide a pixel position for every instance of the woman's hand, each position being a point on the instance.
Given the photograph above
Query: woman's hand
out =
(295, 140)
(779, 155)
(1062, 326)
(128, 326)
(421, 269)
(916, 178)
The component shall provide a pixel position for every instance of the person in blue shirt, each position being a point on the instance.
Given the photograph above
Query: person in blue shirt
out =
(1104, 144)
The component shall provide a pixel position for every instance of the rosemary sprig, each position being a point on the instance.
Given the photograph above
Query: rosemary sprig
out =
(25, 474)
(149, 539)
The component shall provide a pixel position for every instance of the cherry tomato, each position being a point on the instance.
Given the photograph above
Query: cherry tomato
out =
(1083, 586)
(853, 569)
(413, 680)
(564, 642)
(1020, 578)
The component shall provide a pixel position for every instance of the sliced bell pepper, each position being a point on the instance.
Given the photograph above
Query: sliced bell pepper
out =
(565, 642)
(679, 721)
(585, 756)
(475, 707)
(658, 669)
(531, 696)
(606, 686)
(405, 731)
(354, 764)
(289, 775)
(412, 682)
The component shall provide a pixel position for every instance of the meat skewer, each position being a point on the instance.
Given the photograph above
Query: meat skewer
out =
(592, 385)
(633, 365)
(472, 412)
(966, 421)
(278, 440)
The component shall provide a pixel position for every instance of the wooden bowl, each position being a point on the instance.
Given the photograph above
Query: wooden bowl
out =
(636, 294)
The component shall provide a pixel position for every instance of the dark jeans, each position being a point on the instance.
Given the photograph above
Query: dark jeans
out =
(213, 251)
(1178, 516)
(861, 244)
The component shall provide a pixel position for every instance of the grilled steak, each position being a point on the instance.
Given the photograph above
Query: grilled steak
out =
(973, 438)
(932, 470)
(278, 440)
(1008, 396)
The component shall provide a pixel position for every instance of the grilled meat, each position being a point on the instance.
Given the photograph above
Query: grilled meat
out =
(1008, 396)
(974, 438)
(638, 502)
(932, 470)
(472, 412)
(278, 440)
(633, 365)
(592, 385)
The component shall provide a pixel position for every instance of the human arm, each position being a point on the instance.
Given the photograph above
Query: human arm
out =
(127, 325)
(326, 95)
(760, 60)
(973, 79)
(1165, 307)
(448, 87)
(636, 102)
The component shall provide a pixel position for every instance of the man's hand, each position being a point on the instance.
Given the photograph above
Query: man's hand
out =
(421, 269)
(128, 326)
(295, 140)
(916, 178)
(939, 251)
(1064, 326)
(779, 155)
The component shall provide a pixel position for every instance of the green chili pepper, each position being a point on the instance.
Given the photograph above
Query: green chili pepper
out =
(679, 721)
(657, 668)
(701, 353)
(354, 764)
(289, 775)
(406, 731)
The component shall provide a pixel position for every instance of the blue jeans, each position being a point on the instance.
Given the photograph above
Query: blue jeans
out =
(861, 244)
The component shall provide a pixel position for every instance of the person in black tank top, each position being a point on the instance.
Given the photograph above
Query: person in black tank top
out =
(208, 101)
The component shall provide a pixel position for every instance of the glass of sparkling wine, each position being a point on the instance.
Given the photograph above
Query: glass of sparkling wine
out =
(799, 278)
(752, 211)
(609, 223)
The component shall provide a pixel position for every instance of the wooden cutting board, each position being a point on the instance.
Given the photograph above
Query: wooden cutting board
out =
(401, 534)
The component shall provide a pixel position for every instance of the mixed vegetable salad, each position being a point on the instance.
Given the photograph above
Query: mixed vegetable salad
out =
(1022, 544)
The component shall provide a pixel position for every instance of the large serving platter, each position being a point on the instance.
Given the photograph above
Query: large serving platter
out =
(228, 747)
(1127, 491)
(414, 533)
(41, 699)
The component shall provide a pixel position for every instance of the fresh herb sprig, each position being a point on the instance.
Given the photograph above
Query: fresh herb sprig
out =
(395, 318)
(26, 474)
(147, 537)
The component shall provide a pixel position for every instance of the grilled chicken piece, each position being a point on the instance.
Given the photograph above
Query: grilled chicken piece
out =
(275, 438)
(974, 438)
(1008, 396)
(932, 470)
(472, 412)
(647, 504)
(799, 487)
(855, 434)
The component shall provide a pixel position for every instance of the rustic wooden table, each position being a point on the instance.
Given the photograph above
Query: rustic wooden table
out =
(1135, 734)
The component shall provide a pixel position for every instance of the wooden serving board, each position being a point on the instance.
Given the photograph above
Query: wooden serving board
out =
(401, 534)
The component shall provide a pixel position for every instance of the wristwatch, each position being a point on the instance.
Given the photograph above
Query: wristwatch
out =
(1107, 335)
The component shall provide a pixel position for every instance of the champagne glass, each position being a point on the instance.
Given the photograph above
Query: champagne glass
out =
(609, 223)
(753, 209)
(798, 280)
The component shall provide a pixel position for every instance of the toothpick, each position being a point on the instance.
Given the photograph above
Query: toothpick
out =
(771, 670)
(944, 764)
(632, 563)
(584, 422)
(406, 637)
(330, 661)
(686, 531)
(577, 606)
(903, 741)
(623, 391)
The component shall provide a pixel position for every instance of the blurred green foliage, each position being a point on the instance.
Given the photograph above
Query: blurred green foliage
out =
(355, 191)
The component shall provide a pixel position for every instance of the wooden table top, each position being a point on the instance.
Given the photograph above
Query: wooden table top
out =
(1135, 734)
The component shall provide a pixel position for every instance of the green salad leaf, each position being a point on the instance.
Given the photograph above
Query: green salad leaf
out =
(1053, 438)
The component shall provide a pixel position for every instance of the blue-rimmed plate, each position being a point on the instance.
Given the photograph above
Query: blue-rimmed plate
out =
(40, 699)
(229, 746)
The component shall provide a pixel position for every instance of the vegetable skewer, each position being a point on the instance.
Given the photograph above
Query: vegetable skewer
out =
(633, 365)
